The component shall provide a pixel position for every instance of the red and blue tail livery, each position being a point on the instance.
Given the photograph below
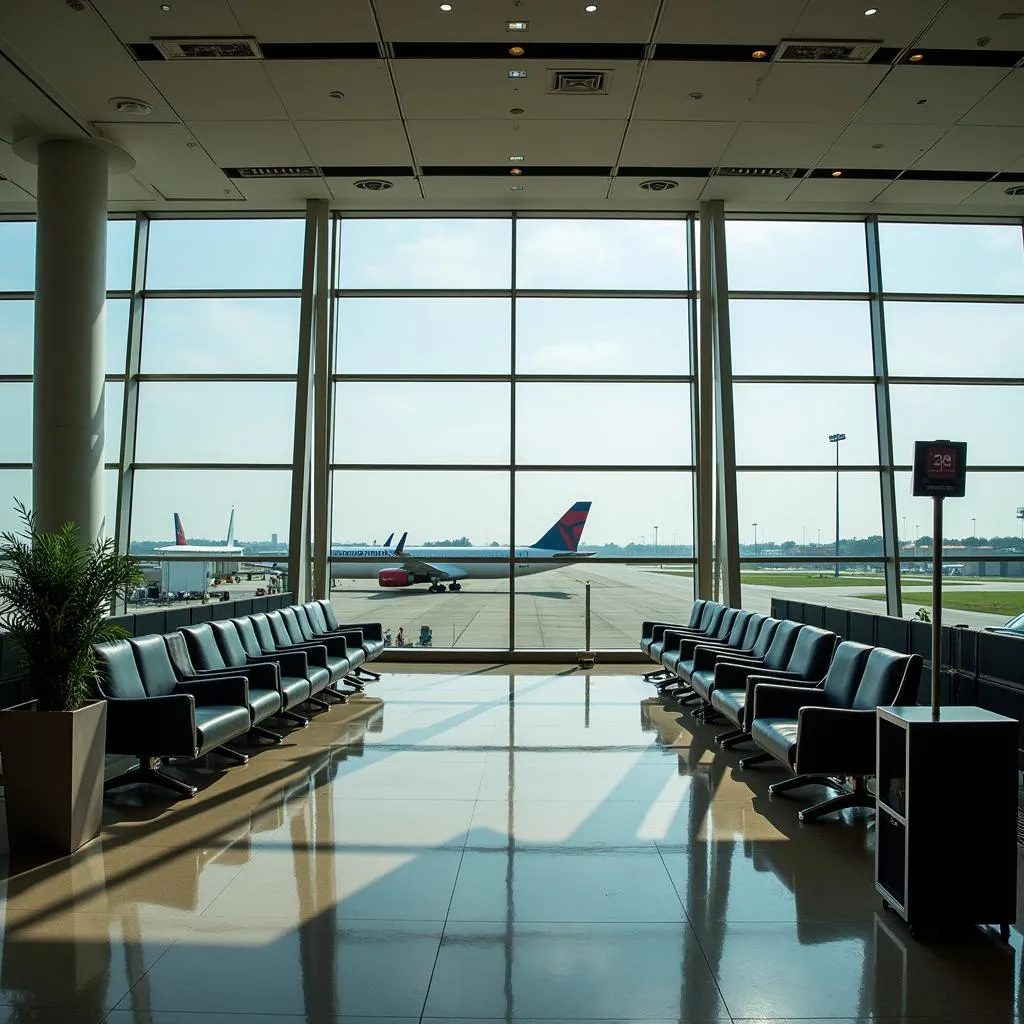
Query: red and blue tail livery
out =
(565, 534)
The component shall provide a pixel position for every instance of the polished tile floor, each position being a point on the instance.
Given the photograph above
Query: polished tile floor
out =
(480, 846)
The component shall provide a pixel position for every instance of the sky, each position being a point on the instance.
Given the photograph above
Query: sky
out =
(780, 424)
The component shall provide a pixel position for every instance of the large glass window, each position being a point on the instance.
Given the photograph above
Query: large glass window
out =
(17, 324)
(17, 256)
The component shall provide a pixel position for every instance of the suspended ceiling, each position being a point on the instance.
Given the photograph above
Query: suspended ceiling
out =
(696, 98)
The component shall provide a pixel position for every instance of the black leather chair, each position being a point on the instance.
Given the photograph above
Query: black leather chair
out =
(674, 640)
(647, 635)
(706, 656)
(314, 666)
(182, 719)
(828, 733)
(808, 661)
(158, 670)
(372, 635)
(740, 641)
(710, 620)
(300, 635)
(310, 616)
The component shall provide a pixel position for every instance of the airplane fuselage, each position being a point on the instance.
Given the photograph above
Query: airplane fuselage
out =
(364, 563)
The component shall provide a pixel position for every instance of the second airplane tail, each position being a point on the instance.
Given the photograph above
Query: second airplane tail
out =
(566, 533)
(179, 531)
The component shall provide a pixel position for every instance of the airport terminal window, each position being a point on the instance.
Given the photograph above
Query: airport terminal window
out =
(602, 424)
(965, 339)
(222, 254)
(799, 256)
(118, 312)
(221, 336)
(426, 253)
(15, 485)
(792, 337)
(17, 256)
(975, 259)
(16, 336)
(402, 334)
(789, 424)
(441, 422)
(113, 412)
(216, 421)
(16, 440)
(616, 255)
(120, 253)
(602, 336)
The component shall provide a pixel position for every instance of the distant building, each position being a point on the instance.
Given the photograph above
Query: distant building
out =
(273, 539)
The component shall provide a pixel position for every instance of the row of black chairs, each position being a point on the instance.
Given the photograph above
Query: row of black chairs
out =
(193, 692)
(801, 694)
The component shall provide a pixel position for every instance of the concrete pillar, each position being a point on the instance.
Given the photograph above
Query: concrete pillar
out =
(70, 336)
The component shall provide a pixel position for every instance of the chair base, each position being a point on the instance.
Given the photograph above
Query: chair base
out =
(752, 759)
(728, 740)
(147, 773)
(657, 675)
(360, 670)
(333, 695)
(233, 755)
(267, 734)
(857, 796)
(358, 685)
(293, 716)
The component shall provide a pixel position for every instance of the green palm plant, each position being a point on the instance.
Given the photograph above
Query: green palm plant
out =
(54, 598)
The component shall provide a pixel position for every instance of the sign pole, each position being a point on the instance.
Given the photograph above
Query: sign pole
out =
(936, 603)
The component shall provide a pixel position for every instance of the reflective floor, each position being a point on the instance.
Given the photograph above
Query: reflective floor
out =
(478, 846)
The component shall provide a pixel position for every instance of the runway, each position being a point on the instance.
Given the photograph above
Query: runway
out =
(550, 608)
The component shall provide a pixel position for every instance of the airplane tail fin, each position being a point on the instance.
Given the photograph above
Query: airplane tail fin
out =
(231, 529)
(391, 537)
(400, 546)
(565, 534)
(179, 531)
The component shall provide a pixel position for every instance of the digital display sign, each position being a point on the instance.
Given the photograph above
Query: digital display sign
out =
(940, 469)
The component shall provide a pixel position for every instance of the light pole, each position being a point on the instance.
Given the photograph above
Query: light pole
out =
(755, 540)
(835, 439)
(655, 541)
(1020, 516)
(974, 527)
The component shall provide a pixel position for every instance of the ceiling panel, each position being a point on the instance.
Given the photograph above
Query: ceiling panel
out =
(136, 22)
(171, 160)
(836, 190)
(291, 191)
(698, 91)
(490, 143)
(26, 110)
(222, 90)
(995, 195)
(484, 21)
(467, 189)
(894, 24)
(748, 190)
(305, 89)
(975, 148)
(1003, 105)
(814, 92)
(11, 193)
(479, 89)
(728, 21)
(881, 145)
(948, 93)
(676, 143)
(404, 192)
(778, 145)
(126, 188)
(963, 22)
(250, 143)
(355, 143)
(910, 192)
(683, 196)
(306, 21)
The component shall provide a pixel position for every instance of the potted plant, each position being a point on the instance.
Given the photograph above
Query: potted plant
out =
(55, 594)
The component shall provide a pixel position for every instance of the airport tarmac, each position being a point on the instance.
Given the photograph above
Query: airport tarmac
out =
(550, 607)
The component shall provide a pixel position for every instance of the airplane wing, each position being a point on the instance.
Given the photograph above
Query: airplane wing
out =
(438, 569)
(572, 556)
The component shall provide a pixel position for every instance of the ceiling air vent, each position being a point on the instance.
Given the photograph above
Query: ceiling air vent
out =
(579, 83)
(1010, 16)
(756, 172)
(244, 48)
(658, 185)
(824, 51)
(374, 184)
(1014, 190)
(273, 172)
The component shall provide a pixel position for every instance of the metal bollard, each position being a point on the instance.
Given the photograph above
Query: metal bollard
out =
(586, 657)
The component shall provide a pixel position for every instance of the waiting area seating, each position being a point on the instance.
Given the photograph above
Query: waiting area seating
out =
(802, 695)
(197, 690)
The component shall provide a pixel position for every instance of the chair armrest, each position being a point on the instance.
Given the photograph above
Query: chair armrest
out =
(217, 690)
(836, 740)
(335, 643)
(707, 655)
(290, 662)
(371, 630)
(658, 629)
(733, 674)
(762, 679)
(772, 700)
(316, 653)
(152, 725)
(263, 674)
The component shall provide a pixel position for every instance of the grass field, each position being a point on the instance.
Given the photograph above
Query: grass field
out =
(995, 602)
(820, 579)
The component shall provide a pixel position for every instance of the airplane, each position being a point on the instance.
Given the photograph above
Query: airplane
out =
(440, 566)
(181, 545)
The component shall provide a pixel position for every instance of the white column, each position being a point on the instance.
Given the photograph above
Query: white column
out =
(70, 341)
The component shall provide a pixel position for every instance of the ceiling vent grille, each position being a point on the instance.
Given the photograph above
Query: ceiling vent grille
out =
(756, 172)
(273, 172)
(1010, 16)
(1014, 190)
(658, 185)
(824, 51)
(579, 83)
(374, 184)
(244, 48)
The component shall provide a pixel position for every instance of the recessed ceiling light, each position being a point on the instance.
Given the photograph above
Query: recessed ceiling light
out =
(165, 8)
(518, 158)
(130, 105)
(517, 26)
(870, 11)
(759, 54)
(837, 174)
(916, 58)
(516, 188)
(515, 170)
(446, 8)
(517, 73)
(515, 110)
(516, 51)
(336, 94)
(590, 8)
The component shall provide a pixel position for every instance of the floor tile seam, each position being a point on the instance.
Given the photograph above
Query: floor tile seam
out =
(146, 972)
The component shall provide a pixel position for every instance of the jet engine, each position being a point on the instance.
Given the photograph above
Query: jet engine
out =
(395, 578)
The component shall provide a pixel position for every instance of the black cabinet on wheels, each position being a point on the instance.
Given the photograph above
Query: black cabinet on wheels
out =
(946, 828)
